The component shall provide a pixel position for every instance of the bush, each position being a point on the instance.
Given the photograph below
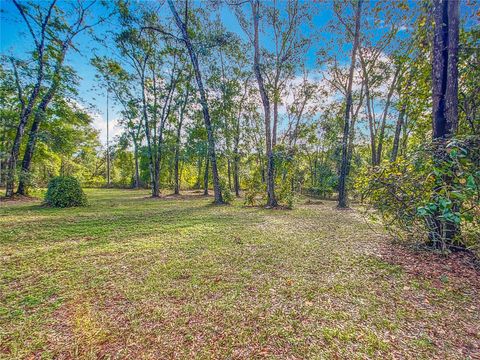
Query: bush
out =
(286, 196)
(425, 196)
(254, 189)
(65, 191)
(226, 193)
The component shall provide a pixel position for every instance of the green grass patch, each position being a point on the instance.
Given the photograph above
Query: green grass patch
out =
(132, 277)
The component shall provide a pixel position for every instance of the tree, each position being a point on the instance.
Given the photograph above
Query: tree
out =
(182, 26)
(154, 66)
(57, 50)
(27, 102)
(266, 102)
(184, 99)
(445, 100)
(342, 186)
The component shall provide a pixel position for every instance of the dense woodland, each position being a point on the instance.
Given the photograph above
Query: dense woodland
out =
(386, 114)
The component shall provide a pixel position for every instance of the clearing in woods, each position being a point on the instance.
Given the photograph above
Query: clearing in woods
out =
(133, 277)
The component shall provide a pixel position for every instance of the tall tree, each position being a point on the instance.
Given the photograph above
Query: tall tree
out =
(183, 27)
(445, 99)
(27, 102)
(56, 77)
(265, 98)
(342, 182)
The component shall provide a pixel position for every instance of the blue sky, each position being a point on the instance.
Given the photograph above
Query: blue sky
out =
(14, 39)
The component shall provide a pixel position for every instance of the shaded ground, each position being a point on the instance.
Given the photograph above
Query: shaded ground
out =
(137, 278)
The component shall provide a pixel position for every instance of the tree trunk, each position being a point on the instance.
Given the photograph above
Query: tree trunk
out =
(371, 120)
(344, 169)
(176, 170)
(12, 159)
(445, 103)
(229, 174)
(236, 180)
(177, 148)
(384, 117)
(151, 166)
(136, 183)
(27, 157)
(451, 91)
(439, 68)
(15, 152)
(203, 101)
(205, 177)
(270, 178)
(33, 135)
(236, 161)
(398, 131)
(275, 121)
(199, 173)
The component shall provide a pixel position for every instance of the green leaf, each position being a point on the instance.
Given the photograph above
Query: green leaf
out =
(471, 183)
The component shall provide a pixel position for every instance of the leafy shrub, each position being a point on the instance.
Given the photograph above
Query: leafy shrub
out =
(65, 191)
(428, 194)
(326, 182)
(226, 192)
(286, 195)
(254, 189)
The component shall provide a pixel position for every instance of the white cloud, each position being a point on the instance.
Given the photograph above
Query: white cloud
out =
(99, 122)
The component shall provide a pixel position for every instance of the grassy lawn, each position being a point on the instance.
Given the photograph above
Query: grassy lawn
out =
(137, 278)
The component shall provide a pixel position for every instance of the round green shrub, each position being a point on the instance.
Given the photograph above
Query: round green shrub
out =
(65, 191)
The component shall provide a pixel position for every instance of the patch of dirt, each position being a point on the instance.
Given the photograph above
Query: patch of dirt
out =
(18, 198)
(459, 268)
(191, 195)
(313, 202)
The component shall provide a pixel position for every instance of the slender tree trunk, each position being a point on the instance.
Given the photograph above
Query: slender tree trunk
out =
(156, 178)
(384, 117)
(176, 170)
(275, 122)
(199, 173)
(403, 148)
(236, 142)
(344, 169)
(229, 174)
(217, 190)
(177, 147)
(371, 119)
(136, 183)
(270, 177)
(398, 132)
(148, 135)
(236, 180)
(27, 157)
(12, 160)
(155, 183)
(205, 177)
(236, 161)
